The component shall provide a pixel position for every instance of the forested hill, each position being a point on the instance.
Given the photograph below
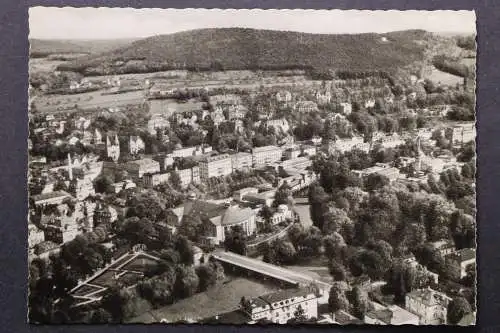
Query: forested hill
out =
(241, 48)
(45, 47)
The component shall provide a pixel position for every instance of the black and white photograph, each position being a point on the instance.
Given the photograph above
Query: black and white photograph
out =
(248, 166)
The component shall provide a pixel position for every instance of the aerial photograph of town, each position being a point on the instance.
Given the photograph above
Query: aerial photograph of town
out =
(251, 166)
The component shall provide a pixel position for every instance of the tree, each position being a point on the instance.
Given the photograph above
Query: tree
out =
(100, 316)
(358, 298)
(207, 277)
(236, 240)
(283, 195)
(175, 180)
(337, 270)
(457, 309)
(337, 299)
(266, 213)
(185, 249)
(280, 252)
(333, 245)
(103, 184)
(186, 282)
(121, 303)
(334, 219)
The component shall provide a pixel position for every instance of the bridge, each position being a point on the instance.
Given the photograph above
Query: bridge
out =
(278, 273)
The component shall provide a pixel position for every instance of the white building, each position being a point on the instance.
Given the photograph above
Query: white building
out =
(136, 145)
(279, 307)
(429, 305)
(241, 161)
(215, 166)
(266, 155)
(346, 108)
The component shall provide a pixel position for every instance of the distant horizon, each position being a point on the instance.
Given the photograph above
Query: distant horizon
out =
(67, 23)
(449, 33)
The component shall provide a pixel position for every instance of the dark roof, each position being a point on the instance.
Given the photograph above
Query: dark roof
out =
(235, 317)
(344, 318)
(463, 255)
(384, 315)
(285, 294)
(204, 208)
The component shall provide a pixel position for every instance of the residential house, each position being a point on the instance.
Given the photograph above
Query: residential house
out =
(283, 96)
(391, 315)
(35, 235)
(124, 185)
(308, 150)
(429, 305)
(138, 168)
(346, 108)
(305, 106)
(279, 124)
(370, 103)
(157, 122)
(461, 134)
(463, 259)
(152, 180)
(444, 246)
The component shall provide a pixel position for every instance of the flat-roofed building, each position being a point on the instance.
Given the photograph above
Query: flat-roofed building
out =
(266, 155)
(215, 166)
(241, 161)
(138, 168)
(152, 180)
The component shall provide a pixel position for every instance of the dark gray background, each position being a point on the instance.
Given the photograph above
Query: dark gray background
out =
(13, 157)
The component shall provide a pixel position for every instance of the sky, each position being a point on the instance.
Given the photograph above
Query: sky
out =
(115, 23)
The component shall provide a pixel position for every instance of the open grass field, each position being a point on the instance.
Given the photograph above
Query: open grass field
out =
(444, 78)
(43, 64)
(217, 300)
(94, 99)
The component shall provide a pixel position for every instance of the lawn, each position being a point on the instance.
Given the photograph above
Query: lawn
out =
(94, 99)
(217, 300)
(444, 78)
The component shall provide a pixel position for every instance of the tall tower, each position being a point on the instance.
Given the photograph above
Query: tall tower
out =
(113, 147)
(418, 166)
(70, 167)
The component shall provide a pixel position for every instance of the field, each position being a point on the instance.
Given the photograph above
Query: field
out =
(43, 64)
(94, 99)
(438, 76)
(169, 106)
(217, 300)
